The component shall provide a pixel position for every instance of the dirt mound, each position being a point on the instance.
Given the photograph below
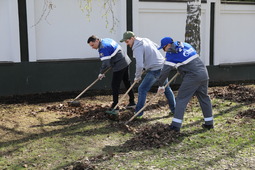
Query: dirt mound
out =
(247, 114)
(152, 136)
(146, 137)
(91, 112)
(89, 163)
(234, 92)
(88, 112)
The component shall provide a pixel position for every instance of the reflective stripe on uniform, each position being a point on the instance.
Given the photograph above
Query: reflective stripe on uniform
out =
(187, 61)
(176, 65)
(112, 55)
(208, 119)
(177, 120)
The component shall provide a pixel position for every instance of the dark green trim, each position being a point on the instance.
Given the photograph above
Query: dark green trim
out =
(225, 74)
(72, 76)
(247, 2)
(129, 21)
(130, 15)
(40, 77)
(203, 1)
(230, 73)
(23, 30)
(212, 22)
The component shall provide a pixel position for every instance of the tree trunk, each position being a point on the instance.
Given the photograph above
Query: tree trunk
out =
(192, 35)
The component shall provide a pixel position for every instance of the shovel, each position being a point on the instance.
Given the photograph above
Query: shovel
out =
(172, 79)
(77, 103)
(113, 111)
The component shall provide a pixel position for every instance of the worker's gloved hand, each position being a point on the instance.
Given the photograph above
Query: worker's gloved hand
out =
(101, 76)
(161, 89)
(137, 80)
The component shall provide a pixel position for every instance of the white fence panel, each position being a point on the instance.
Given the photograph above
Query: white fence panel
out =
(156, 20)
(9, 31)
(235, 34)
(234, 28)
(63, 34)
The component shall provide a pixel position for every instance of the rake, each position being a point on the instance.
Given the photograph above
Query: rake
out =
(152, 99)
(113, 111)
(77, 103)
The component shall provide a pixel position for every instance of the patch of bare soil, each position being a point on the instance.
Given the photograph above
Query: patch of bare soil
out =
(246, 114)
(152, 136)
(91, 111)
(89, 163)
(87, 111)
(146, 137)
(234, 92)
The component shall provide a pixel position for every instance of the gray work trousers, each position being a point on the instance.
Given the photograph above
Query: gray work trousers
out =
(185, 93)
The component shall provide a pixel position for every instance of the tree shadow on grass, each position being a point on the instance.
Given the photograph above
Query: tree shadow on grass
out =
(230, 154)
(221, 113)
(71, 127)
(147, 137)
(155, 135)
(151, 137)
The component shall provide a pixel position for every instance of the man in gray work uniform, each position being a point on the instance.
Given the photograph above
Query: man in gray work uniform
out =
(185, 59)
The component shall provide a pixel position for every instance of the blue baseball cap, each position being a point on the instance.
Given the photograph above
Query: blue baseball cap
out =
(165, 41)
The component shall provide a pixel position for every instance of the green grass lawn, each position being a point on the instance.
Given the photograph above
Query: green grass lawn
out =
(33, 137)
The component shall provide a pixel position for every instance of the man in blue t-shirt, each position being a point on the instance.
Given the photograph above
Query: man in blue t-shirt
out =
(112, 55)
(183, 57)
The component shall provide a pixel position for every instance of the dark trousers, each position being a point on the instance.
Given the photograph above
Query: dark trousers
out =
(117, 77)
(185, 93)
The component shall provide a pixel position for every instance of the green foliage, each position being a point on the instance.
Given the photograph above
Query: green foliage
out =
(86, 6)
(107, 6)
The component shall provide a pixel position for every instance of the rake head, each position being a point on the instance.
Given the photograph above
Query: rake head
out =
(74, 104)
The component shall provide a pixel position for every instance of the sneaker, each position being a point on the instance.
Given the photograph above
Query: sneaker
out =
(131, 106)
(174, 128)
(113, 111)
(139, 117)
(208, 127)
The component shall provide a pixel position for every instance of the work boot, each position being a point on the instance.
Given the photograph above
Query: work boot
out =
(174, 128)
(131, 105)
(207, 127)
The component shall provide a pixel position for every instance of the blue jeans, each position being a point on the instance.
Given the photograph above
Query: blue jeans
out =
(148, 81)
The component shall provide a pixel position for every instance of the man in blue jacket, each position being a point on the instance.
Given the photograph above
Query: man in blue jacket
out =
(112, 55)
(183, 57)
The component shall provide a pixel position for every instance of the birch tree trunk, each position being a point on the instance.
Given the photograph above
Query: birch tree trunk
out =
(192, 34)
